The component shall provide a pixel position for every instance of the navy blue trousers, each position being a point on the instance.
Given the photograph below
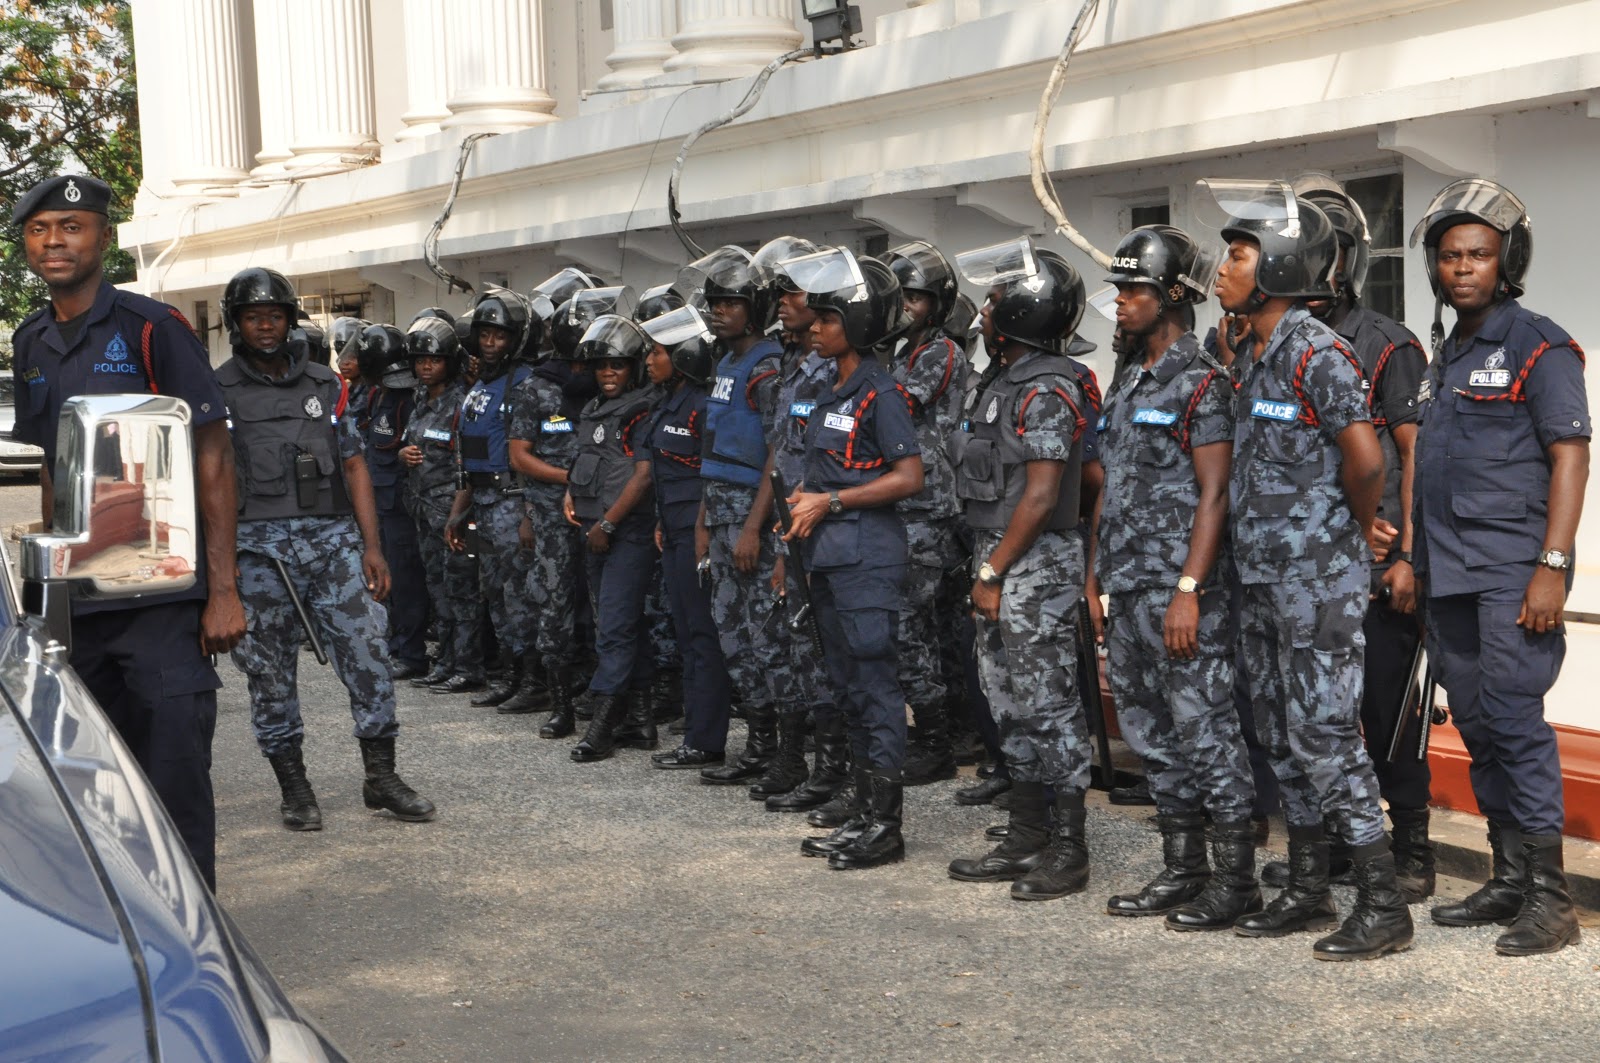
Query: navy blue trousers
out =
(858, 610)
(707, 691)
(619, 581)
(408, 586)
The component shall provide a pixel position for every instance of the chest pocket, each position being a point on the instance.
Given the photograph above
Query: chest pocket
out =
(977, 474)
(1154, 444)
(1285, 442)
(269, 469)
(581, 478)
(1484, 428)
(834, 431)
(675, 439)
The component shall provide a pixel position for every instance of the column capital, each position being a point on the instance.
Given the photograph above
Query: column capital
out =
(732, 38)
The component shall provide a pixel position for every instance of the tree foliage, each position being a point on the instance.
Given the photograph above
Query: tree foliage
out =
(67, 104)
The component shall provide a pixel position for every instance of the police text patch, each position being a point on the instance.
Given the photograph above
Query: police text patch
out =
(1490, 378)
(839, 421)
(1146, 415)
(556, 425)
(1274, 411)
(722, 390)
(801, 409)
(437, 435)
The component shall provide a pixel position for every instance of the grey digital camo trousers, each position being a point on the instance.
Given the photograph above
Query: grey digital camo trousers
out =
(1027, 663)
(1178, 715)
(1301, 648)
(748, 622)
(503, 568)
(931, 548)
(326, 569)
(453, 584)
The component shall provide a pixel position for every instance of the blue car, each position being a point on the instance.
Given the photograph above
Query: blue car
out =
(111, 946)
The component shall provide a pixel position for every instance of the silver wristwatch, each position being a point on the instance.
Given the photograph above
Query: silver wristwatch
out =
(607, 527)
(1556, 559)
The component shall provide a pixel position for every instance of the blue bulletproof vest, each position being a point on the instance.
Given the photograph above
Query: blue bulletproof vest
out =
(486, 422)
(735, 448)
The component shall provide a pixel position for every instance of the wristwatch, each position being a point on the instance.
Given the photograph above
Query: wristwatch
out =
(835, 504)
(987, 574)
(1402, 555)
(1556, 559)
(1188, 584)
(607, 527)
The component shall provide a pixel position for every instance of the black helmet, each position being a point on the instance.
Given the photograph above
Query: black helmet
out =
(1041, 296)
(557, 289)
(1485, 202)
(504, 309)
(465, 339)
(383, 357)
(863, 292)
(256, 286)
(1349, 223)
(431, 337)
(613, 336)
(768, 262)
(962, 320)
(316, 339)
(729, 272)
(688, 342)
(1299, 248)
(435, 311)
(661, 299)
(344, 334)
(1165, 257)
(921, 267)
(573, 317)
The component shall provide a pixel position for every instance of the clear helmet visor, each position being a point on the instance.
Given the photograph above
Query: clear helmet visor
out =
(1316, 184)
(612, 336)
(767, 263)
(1497, 206)
(1105, 302)
(997, 263)
(591, 303)
(553, 291)
(830, 270)
(923, 257)
(1225, 203)
(676, 326)
(726, 267)
(1202, 276)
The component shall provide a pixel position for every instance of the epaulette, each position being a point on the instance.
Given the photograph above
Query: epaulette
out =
(34, 318)
(1548, 330)
(1393, 331)
(149, 309)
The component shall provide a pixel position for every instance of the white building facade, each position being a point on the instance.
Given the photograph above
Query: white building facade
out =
(320, 137)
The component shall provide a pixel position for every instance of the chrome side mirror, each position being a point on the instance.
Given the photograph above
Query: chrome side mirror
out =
(125, 522)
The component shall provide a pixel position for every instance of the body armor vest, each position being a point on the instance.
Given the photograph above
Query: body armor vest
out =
(605, 460)
(285, 442)
(735, 447)
(993, 473)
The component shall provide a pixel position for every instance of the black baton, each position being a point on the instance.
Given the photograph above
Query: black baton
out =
(805, 615)
(300, 611)
(1093, 704)
(1413, 700)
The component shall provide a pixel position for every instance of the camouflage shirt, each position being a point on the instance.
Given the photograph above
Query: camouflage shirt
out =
(933, 375)
(537, 416)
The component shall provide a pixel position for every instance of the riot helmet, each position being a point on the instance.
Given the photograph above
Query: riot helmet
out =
(1037, 297)
(962, 322)
(1299, 248)
(556, 289)
(343, 335)
(921, 267)
(503, 309)
(767, 263)
(383, 357)
(661, 299)
(1167, 259)
(688, 342)
(431, 337)
(1349, 223)
(615, 337)
(573, 317)
(1484, 202)
(257, 286)
(315, 338)
(863, 292)
(729, 272)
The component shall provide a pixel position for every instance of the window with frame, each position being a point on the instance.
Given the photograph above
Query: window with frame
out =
(1381, 197)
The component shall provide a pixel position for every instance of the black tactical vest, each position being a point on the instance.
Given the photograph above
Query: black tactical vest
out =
(605, 461)
(284, 441)
(993, 473)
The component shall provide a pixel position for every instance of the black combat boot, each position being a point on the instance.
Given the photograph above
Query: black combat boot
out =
(599, 739)
(562, 722)
(1183, 850)
(459, 683)
(501, 689)
(532, 693)
(989, 787)
(846, 830)
(1232, 891)
(828, 777)
(787, 768)
(299, 808)
(1500, 899)
(667, 691)
(385, 789)
(930, 756)
(1275, 873)
(1547, 922)
(760, 744)
(1065, 867)
(846, 803)
(441, 670)
(1380, 922)
(880, 841)
(1024, 846)
(638, 729)
(1306, 903)
(1413, 853)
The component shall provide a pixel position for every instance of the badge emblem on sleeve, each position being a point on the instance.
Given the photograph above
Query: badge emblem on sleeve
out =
(313, 406)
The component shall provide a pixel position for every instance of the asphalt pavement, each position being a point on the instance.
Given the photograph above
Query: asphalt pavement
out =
(609, 911)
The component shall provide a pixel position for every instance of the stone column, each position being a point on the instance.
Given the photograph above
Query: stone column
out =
(205, 145)
(331, 83)
(496, 66)
(732, 38)
(273, 63)
(426, 86)
(642, 33)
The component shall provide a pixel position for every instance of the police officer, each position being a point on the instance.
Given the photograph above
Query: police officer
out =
(931, 368)
(734, 526)
(1502, 461)
(610, 498)
(1160, 550)
(1306, 478)
(491, 493)
(1393, 364)
(430, 460)
(861, 459)
(387, 409)
(308, 529)
(344, 345)
(144, 660)
(681, 356)
(1020, 478)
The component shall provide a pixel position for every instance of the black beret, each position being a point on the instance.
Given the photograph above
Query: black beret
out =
(67, 192)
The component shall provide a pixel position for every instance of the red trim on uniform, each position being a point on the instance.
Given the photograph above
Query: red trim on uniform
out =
(755, 381)
(1307, 414)
(1091, 390)
(627, 432)
(949, 366)
(344, 398)
(693, 460)
(179, 315)
(1194, 404)
(144, 349)
(1079, 424)
(1515, 392)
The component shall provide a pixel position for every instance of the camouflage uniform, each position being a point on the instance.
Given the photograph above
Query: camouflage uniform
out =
(804, 379)
(537, 416)
(1027, 660)
(452, 577)
(1177, 715)
(932, 375)
(1305, 570)
(498, 509)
